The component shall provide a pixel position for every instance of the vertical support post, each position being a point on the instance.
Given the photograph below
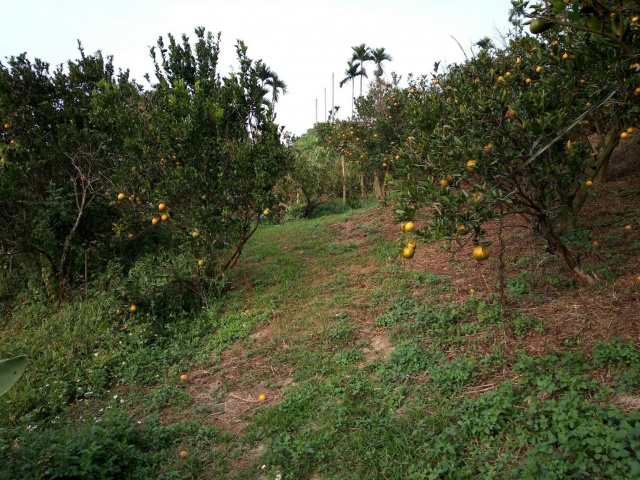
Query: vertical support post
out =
(86, 276)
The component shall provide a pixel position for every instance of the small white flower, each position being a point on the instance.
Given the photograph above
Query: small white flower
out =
(115, 396)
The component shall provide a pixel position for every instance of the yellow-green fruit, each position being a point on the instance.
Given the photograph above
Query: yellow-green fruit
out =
(462, 230)
(472, 165)
(538, 26)
(266, 212)
(133, 308)
(444, 183)
(201, 263)
(195, 234)
(408, 252)
(407, 227)
(481, 253)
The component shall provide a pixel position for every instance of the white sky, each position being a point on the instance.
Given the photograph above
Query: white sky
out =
(303, 41)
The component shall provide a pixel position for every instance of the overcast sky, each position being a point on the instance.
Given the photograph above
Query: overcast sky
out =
(303, 41)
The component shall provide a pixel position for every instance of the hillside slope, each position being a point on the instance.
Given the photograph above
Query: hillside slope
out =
(377, 367)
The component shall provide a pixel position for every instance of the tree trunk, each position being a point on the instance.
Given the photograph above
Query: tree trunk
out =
(578, 199)
(61, 277)
(571, 260)
(377, 189)
(353, 92)
(344, 182)
(363, 192)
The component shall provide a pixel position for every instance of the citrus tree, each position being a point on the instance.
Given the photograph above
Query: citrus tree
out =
(167, 182)
(316, 173)
(203, 167)
(54, 162)
(523, 130)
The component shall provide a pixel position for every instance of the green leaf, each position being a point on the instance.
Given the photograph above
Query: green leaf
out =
(11, 369)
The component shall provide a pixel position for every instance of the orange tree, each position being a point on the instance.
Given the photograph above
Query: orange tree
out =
(316, 173)
(202, 170)
(54, 164)
(368, 141)
(167, 183)
(506, 133)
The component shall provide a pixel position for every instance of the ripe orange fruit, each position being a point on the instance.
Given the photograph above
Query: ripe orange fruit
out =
(411, 245)
(583, 81)
(628, 227)
(201, 263)
(7, 126)
(384, 165)
(184, 377)
(624, 135)
(508, 74)
(500, 78)
(538, 69)
(511, 113)
(444, 183)
(596, 243)
(588, 183)
(462, 230)
(630, 130)
(266, 212)
(183, 454)
(565, 56)
(481, 253)
(130, 235)
(472, 165)
(518, 61)
(408, 252)
(487, 148)
(407, 227)
(161, 206)
(262, 398)
(118, 311)
(133, 308)
(164, 217)
(154, 221)
(527, 81)
(121, 196)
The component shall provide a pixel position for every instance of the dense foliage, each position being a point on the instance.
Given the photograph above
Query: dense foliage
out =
(168, 182)
(524, 130)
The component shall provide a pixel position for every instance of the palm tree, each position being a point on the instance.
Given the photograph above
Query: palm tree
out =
(378, 56)
(485, 43)
(276, 85)
(351, 73)
(362, 54)
(263, 72)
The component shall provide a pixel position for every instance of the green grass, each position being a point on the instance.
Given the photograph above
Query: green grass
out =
(445, 401)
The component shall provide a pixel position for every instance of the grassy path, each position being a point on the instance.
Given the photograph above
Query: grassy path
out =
(370, 369)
